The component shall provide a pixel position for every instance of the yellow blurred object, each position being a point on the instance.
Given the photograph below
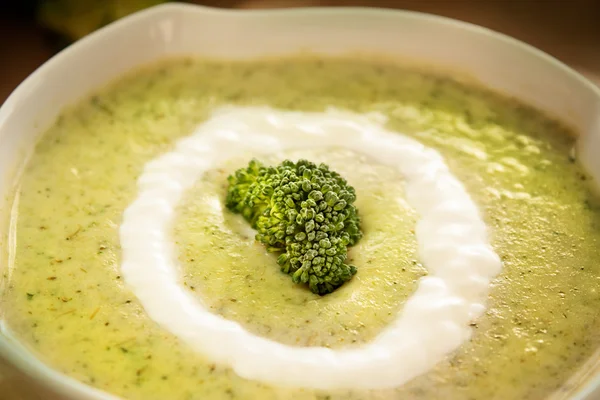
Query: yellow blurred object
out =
(74, 19)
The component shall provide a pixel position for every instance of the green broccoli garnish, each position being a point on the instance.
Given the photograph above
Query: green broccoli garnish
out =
(303, 211)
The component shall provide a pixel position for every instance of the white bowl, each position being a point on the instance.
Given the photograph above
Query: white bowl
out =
(497, 61)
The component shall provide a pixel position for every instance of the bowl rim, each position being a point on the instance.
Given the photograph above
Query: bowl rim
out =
(16, 353)
(298, 11)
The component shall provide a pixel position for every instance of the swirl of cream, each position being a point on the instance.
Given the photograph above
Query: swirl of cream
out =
(452, 239)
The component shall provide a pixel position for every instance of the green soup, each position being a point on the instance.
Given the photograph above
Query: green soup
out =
(66, 300)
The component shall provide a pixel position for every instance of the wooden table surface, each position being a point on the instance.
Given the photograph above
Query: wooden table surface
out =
(569, 30)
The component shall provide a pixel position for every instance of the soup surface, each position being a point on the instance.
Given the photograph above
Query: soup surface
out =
(66, 300)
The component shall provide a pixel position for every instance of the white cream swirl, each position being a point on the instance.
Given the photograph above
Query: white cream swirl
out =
(452, 239)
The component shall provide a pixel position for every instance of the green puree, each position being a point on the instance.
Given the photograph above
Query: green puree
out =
(66, 300)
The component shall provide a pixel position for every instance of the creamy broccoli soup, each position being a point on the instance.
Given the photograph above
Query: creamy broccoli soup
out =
(78, 299)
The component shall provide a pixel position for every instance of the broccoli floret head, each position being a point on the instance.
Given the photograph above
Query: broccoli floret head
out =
(305, 212)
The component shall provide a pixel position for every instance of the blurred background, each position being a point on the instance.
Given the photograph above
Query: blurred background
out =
(31, 31)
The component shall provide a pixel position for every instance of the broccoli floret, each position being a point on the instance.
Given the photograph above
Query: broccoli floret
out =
(303, 211)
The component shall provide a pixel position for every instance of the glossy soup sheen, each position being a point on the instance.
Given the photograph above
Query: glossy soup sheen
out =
(66, 300)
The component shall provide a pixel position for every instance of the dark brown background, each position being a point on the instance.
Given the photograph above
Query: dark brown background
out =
(569, 30)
